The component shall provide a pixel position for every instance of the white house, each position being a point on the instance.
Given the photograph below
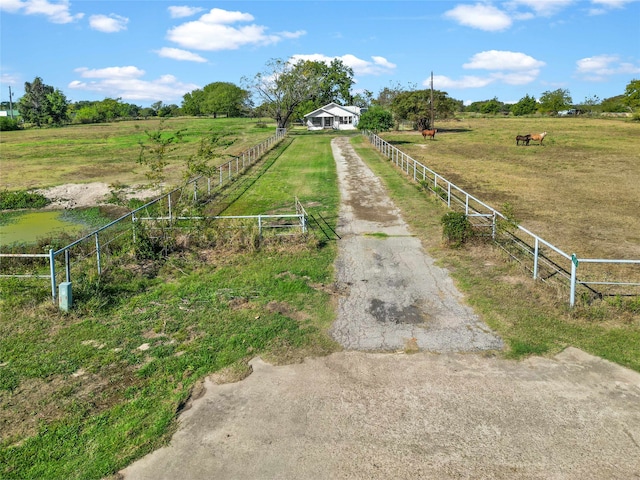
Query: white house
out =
(333, 116)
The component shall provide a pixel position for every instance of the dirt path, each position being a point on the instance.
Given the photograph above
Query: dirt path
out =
(397, 298)
(363, 415)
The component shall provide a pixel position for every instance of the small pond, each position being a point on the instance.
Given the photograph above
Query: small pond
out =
(27, 227)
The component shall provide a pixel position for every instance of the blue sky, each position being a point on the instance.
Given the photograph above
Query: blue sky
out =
(155, 50)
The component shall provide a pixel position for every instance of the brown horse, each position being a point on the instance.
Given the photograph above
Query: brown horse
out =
(538, 137)
(429, 133)
(525, 139)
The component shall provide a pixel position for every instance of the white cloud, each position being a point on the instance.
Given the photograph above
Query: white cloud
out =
(378, 65)
(127, 83)
(480, 16)
(55, 12)
(179, 54)
(108, 23)
(503, 60)
(214, 31)
(542, 8)
(510, 68)
(601, 67)
(110, 72)
(441, 82)
(183, 11)
(603, 6)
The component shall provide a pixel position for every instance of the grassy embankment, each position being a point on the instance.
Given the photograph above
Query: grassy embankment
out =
(83, 394)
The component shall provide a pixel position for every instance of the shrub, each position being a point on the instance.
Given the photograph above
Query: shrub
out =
(456, 228)
(21, 199)
(7, 124)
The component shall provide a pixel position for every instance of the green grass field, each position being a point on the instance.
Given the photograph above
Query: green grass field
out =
(39, 158)
(84, 393)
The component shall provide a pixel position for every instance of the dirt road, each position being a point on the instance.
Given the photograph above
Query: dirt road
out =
(452, 410)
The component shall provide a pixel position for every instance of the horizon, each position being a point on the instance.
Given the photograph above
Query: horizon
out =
(148, 51)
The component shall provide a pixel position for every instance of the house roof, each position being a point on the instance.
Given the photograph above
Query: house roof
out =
(330, 110)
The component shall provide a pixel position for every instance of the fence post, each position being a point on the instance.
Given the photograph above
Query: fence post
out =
(536, 251)
(574, 267)
(195, 191)
(67, 265)
(260, 225)
(169, 198)
(52, 270)
(493, 225)
(97, 255)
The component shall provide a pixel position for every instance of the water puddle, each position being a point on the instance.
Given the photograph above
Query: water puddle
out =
(29, 226)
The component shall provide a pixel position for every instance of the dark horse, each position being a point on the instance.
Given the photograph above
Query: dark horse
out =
(429, 133)
(524, 139)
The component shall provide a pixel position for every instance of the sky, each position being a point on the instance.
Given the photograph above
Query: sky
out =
(144, 51)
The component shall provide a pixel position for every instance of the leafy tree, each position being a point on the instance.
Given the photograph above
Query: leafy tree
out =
(193, 102)
(57, 107)
(211, 147)
(527, 105)
(553, 102)
(632, 94)
(376, 119)
(415, 106)
(363, 99)
(224, 98)
(154, 150)
(337, 80)
(283, 86)
(614, 104)
(492, 107)
(42, 104)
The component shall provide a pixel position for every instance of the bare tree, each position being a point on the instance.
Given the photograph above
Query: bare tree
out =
(283, 86)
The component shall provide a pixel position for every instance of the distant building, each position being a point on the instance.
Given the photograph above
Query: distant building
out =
(333, 116)
(10, 113)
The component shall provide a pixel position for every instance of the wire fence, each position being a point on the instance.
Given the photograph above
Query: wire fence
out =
(595, 277)
(151, 226)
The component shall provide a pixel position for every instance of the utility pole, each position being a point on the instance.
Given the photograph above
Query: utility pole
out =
(431, 110)
(10, 103)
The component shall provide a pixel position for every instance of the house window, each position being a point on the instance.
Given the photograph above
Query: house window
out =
(328, 121)
(316, 121)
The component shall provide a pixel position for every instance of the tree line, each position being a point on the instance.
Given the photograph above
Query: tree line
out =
(286, 91)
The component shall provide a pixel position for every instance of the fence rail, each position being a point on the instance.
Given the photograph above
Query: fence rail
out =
(549, 261)
(99, 242)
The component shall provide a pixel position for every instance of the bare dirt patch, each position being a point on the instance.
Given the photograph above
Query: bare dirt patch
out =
(83, 195)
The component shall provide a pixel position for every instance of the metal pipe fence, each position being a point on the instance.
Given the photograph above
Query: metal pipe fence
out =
(121, 233)
(546, 261)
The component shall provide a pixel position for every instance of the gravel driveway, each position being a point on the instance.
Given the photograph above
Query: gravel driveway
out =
(449, 411)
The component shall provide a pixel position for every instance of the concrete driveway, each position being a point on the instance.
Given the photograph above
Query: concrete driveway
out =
(450, 410)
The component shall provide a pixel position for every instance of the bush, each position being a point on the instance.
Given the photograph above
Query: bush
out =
(21, 199)
(8, 124)
(456, 228)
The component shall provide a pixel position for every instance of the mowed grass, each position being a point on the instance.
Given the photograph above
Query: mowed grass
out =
(277, 189)
(85, 393)
(580, 190)
(38, 158)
